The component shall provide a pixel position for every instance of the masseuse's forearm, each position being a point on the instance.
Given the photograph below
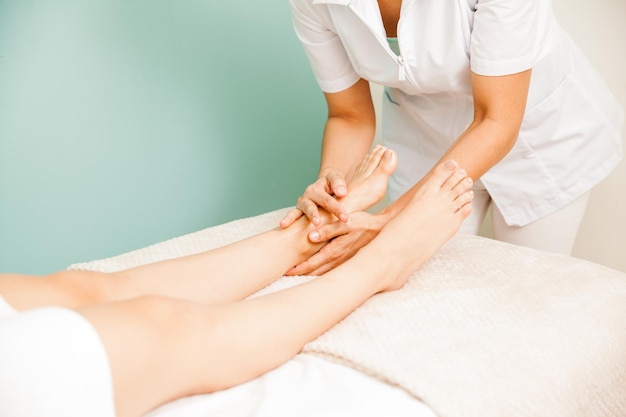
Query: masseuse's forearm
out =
(480, 147)
(499, 105)
(349, 130)
(345, 144)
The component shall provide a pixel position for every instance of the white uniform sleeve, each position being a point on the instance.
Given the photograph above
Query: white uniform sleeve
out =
(328, 58)
(510, 36)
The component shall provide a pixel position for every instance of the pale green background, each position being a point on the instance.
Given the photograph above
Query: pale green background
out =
(124, 123)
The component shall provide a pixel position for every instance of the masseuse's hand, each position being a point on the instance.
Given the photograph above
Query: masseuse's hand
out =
(347, 239)
(322, 193)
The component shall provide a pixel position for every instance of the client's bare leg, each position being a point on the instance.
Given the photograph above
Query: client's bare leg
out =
(224, 274)
(180, 348)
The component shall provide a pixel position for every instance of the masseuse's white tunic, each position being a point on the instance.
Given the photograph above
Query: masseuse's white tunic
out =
(571, 134)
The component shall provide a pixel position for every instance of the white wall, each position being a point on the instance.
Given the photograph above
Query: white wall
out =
(598, 28)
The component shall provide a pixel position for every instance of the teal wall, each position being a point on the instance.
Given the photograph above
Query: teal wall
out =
(128, 122)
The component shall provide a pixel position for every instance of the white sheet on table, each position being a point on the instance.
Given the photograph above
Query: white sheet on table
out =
(306, 386)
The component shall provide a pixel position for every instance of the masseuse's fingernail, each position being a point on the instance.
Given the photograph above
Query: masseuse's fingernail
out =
(314, 236)
(450, 165)
(343, 217)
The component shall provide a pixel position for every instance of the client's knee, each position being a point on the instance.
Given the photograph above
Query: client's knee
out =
(173, 324)
(87, 287)
(167, 312)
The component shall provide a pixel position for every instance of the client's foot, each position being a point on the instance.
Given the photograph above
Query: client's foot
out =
(366, 187)
(369, 181)
(432, 216)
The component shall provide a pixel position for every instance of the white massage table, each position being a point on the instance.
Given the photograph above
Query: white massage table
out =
(484, 329)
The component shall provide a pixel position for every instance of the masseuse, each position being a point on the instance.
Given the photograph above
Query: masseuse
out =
(493, 84)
